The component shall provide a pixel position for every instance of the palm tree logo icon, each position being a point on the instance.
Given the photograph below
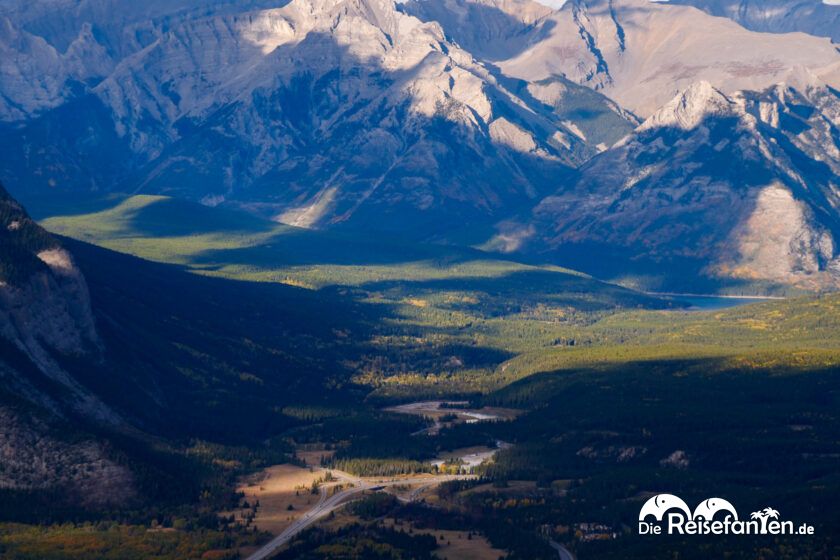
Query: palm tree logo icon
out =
(763, 516)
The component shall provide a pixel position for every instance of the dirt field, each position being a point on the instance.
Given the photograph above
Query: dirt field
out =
(276, 488)
(456, 546)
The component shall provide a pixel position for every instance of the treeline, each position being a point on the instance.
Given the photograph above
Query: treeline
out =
(312, 413)
(374, 506)
(110, 540)
(381, 467)
(360, 542)
(684, 426)
(506, 529)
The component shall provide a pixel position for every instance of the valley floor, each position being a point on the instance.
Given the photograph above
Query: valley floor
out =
(448, 402)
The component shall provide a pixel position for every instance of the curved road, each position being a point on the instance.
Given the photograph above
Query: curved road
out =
(327, 505)
(564, 552)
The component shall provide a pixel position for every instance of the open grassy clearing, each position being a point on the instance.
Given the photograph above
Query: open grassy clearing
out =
(447, 311)
(242, 246)
(454, 545)
(275, 489)
(457, 320)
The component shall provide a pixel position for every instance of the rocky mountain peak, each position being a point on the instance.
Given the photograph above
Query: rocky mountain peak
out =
(423, 116)
(690, 108)
(385, 98)
(743, 185)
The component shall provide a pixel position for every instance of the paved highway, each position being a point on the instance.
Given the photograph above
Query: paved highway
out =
(562, 551)
(327, 505)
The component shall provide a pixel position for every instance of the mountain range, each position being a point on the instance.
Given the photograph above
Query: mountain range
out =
(495, 122)
(741, 187)
(814, 17)
(248, 245)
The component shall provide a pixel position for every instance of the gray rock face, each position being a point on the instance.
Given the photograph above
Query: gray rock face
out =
(44, 301)
(49, 315)
(45, 316)
(51, 48)
(638, 53)
(51, 310)
(814, 17)
(318, 113)
(746, 185)
(35, 459)
(45, 310)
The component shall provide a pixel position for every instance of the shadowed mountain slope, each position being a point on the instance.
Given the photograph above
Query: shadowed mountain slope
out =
(814, 17)
(98, 376)
(316, 113)
(744, 187)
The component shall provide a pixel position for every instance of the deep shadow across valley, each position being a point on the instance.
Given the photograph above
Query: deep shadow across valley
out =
(758, 434)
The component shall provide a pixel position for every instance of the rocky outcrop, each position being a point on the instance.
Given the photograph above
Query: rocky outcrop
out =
(638, 53)
(779, 239)
(319, 113)
(45, 309)
(690, 108)
(36, 458)
(744, 185)
(815, 17)
(45, 319)
(50, 310)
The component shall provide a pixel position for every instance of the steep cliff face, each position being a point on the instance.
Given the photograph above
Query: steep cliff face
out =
(746, 186)
(45, 315)
(50, 309)
(44, 302)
